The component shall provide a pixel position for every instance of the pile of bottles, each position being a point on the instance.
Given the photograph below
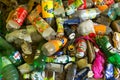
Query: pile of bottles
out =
(60, 40)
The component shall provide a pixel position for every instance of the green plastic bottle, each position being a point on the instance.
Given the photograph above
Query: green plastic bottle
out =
(0, 67)
(39, 63)
(0, 22)
(8, 70)
(10, 52)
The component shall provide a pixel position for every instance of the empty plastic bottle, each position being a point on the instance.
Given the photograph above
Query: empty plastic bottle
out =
(53, 46)
(87, 13)
(9, 72)
(10, 52)
(44, 28)
(17, 18)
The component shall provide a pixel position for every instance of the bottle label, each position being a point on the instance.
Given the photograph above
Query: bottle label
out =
(47, 9)
(59, 43)
(19, 15)
(17, 55)
(81, 45)
(34, 13)
(84, 6)
(41, 25)
(71, 8)
(60, 28)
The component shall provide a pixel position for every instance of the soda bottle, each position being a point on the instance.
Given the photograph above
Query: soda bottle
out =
(60, 28)
(59, 8)
(61, 59)
(9, 51)
(34, 13)
(87, 13)
(18, 34)
(44, 28)
(47, 11)
(72, 7)
(39, 62)
(53, 46)
(17, 18)
(86, 4)
(9, 72)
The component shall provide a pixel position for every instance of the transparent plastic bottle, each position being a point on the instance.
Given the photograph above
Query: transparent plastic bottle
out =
(53, 46)
(9, 72)
(17, 18)
(44, 28)
(87, 13)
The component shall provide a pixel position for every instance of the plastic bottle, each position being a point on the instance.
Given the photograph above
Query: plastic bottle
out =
(9, 51)
(47, 11)
(34, 13)
(72, 70)
(18, 34)
(60, 27)
(87, 13)
(72, 7)
(61, 59)
(39, 63)
(54, 67)
(17, 18)
(53, 46)
(44, 28)
(59, 8)
(86, 4)
(9, 72)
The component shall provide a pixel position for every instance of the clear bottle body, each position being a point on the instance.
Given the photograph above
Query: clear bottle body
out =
(87, 13)
(48, 49)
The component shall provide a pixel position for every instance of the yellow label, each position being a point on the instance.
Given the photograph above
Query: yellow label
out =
(60, 28)
(47, 9)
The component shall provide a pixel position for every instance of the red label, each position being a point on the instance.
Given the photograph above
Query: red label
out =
(109, 2)
(20, 15)
(84, 6)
